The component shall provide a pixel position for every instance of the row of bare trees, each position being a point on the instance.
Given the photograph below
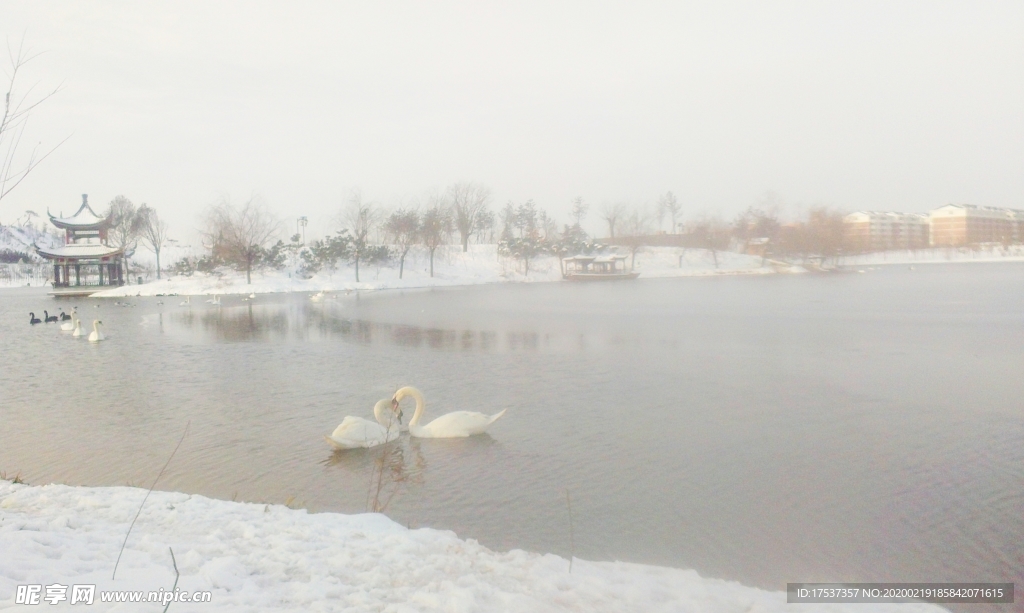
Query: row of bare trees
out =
(367, 233)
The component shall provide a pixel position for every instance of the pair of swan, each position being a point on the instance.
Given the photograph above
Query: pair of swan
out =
(356, 432)
(214, 301)
(94, 337)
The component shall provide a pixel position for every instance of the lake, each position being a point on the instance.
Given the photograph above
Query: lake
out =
(843, 427)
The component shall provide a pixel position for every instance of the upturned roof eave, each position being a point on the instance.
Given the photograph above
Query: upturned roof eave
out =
(69, 223)
(65, 252)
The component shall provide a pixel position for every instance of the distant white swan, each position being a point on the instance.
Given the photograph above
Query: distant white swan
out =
(215, 300)
(71, 324)
(187, 301)
(96, 336)
(452, 425)
(358, 432)
(319, 297)
(78, 328)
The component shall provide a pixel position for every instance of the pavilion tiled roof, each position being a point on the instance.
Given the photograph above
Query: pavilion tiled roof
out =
(78, 250)
(84, 219)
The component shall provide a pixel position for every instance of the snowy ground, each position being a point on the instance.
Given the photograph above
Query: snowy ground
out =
(480, 265)
(1013, 253)
(256, 557)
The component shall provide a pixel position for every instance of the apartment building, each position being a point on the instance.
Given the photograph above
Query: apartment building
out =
(955, 225)
(879, 230)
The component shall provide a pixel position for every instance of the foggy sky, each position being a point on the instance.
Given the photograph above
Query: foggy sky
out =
(858, 105)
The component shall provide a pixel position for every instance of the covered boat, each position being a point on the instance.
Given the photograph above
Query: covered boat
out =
(596, 268)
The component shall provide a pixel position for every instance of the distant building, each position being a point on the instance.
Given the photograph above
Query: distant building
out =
(956, 225)
(757, 246)
(879, 231)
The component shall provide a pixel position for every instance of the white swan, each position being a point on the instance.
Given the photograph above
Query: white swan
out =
(215, 300)
(318, 297)
(357, 432)
(70, 325)
(96, 336)
(452, 425)
(78, 328)
(187, 301)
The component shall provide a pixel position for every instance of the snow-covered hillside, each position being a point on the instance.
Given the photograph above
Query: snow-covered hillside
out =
(23, 240)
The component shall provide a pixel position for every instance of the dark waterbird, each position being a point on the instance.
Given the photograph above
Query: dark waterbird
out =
(64, 316)
(50, 319)
(32, 319)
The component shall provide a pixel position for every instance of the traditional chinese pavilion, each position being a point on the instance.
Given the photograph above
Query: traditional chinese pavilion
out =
(85, 263)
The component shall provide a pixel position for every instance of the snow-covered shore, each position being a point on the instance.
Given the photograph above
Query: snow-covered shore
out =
(1013, 253)
(256, 557)
(480, 265)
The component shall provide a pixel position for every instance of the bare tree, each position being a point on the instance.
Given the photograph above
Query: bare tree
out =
(18, 108)
(436, 227)
(125, 229)
(403, 229)
(468, 202)
(153, 233)
(359, 218)
(668, 205)
(635, 228)
(711, 233)
(612, 213)
(825, 232)
(240, 235)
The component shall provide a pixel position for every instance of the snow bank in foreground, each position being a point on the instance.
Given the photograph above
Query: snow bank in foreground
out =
(481, 264)
(256, 557)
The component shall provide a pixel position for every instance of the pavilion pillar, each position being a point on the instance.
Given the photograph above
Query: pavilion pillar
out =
(67, 278)
(56, 275)
(101, 272)
(78, 274)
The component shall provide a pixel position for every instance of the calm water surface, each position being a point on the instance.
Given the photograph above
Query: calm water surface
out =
(855, 427)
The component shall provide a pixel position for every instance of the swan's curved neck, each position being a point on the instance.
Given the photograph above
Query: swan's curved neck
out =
(420, 403)
(383, 413)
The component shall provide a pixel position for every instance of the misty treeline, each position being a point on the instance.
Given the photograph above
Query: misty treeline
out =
(365, 234)
(248, 236)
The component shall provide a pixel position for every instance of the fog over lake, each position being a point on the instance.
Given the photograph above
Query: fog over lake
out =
(788, 428)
